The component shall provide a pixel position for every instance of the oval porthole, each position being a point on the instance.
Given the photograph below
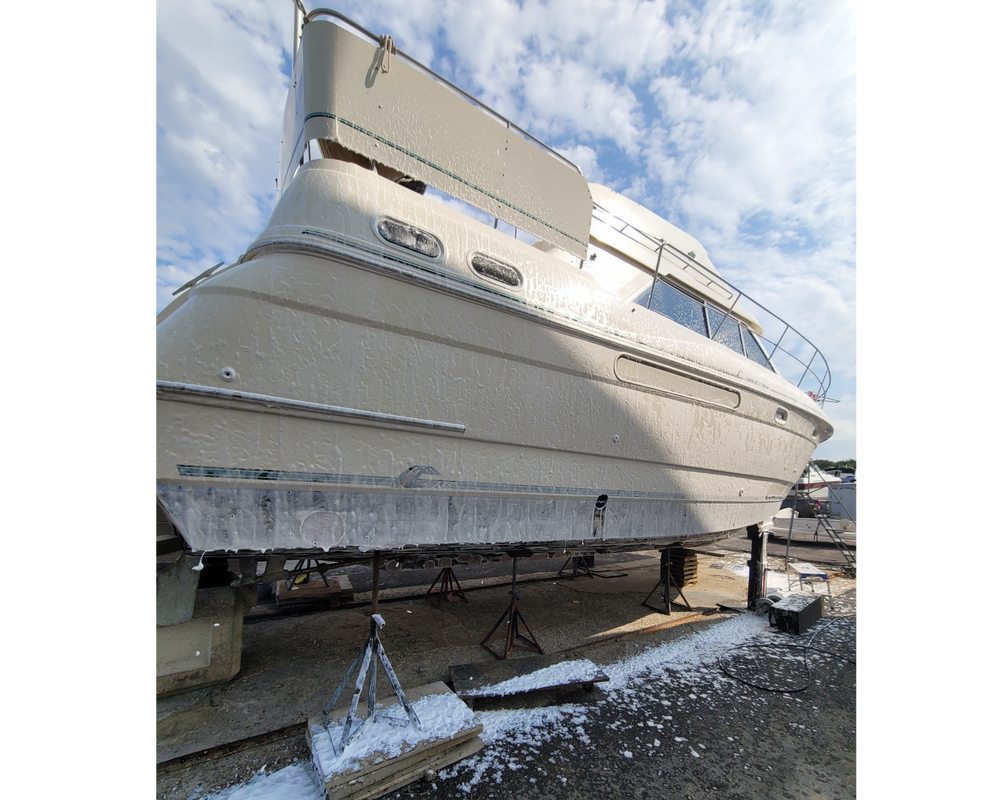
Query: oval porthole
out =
(781, 415)
(410, 237)
(496, 270)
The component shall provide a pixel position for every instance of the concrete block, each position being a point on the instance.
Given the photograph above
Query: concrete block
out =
(176, 589)
(206, 650)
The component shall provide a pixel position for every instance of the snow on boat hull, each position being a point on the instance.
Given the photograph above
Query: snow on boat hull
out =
(315, 398)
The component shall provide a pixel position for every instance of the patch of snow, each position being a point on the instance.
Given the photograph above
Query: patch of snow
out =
(580, 671)
(297, 782)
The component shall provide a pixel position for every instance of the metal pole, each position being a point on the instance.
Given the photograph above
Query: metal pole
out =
(376, 565)
(297, 30)
(656, 275)
(757, 587)
(729, 314)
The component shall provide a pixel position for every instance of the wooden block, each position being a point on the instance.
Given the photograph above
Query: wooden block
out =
(404, 769)
(369, 791)
(346, 590)
(377, 774)
(684, 569)
(313, 591)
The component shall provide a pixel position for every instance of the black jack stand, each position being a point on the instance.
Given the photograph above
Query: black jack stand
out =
(667, 579)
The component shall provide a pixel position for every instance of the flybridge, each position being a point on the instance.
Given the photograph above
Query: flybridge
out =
(366, 101)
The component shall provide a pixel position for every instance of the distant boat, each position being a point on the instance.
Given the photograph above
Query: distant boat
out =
(813, 479)
(811, 529)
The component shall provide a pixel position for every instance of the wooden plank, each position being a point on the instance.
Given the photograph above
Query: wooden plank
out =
(379, 766)
(477, 680)
(381, 770)
(401, 770)
(346, 590)
(437, 762)
(313, 591)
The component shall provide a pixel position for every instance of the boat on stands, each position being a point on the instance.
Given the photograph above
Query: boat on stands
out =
(814, 484)
(380, 370)
(789, 524)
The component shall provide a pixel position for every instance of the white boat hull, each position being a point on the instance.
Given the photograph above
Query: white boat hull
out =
(323, 396)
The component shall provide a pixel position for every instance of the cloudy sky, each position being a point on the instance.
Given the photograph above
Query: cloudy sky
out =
(733, 120)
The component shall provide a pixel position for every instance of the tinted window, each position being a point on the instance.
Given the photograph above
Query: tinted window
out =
(689, 312)
(729, 334)
(678, 306)
(754, 350)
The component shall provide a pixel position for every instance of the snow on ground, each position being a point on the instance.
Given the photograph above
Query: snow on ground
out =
(687, 659)
(579, 671)
(297, 782)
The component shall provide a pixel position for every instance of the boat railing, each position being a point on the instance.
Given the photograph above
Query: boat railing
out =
(384, 41)
(787, 350)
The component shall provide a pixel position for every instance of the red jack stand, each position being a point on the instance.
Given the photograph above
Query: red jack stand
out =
(449, 586)
(512, 615)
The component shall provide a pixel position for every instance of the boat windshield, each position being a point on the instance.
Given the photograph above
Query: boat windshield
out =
(702, 317)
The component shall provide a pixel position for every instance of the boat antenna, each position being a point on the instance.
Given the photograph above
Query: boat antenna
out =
(300, 15)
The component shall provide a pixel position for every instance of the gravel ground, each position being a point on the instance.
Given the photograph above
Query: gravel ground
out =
(694, 733)
(673, 730)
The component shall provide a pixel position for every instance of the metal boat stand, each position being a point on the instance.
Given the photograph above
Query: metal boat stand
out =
(667, 579)
(512, 615)
(581, 565)
(373, 647)
(449, 587)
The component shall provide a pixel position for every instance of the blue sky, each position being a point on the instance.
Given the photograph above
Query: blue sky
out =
(733, 120)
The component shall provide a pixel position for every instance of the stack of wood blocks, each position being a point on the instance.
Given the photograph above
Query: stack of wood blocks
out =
(684, 567)
(381, 757)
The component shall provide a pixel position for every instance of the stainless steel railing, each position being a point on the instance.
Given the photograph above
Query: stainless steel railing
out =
(791, 353)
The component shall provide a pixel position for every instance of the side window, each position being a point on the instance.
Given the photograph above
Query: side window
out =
(728, 334)
(680, 307)
(691, 313)
(754, 351)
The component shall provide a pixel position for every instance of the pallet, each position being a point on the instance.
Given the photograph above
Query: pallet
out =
(376, 774)
(498, 678)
